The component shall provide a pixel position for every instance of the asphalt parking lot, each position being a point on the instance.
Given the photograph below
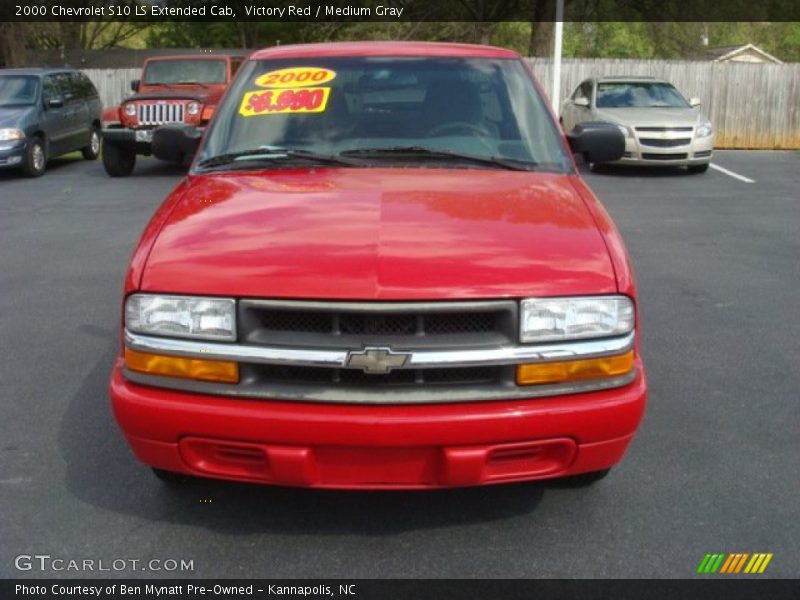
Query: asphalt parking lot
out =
(714, 468)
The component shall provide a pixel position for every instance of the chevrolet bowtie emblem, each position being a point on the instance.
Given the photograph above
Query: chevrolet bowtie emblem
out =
(377, 361)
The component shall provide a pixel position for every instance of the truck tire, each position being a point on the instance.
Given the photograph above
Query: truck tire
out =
(35, 158)
(118, 161)
(92, 150)
(170, 477)
(584, 479)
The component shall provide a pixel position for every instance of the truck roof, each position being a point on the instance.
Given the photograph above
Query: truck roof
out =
(384, 49)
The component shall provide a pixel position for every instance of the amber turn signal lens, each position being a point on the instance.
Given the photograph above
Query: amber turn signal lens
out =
(574, 370)
(185, 368)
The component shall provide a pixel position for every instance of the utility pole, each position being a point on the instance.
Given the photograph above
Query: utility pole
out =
(555, 94)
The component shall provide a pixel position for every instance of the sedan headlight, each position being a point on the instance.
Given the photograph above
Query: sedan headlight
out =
(704, 130)
(10, 135)
(181, 316)
(130, 110)
(573, 318)
(193, 108)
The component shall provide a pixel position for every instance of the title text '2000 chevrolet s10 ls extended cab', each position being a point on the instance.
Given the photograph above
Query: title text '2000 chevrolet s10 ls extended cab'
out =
(382, 271)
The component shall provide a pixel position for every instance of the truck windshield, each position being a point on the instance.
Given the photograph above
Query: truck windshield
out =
(410, 111)
(639, 95)
(184, 71)
(18, 90)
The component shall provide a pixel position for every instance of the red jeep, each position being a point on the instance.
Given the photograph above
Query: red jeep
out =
(173, 89)
(383, 270)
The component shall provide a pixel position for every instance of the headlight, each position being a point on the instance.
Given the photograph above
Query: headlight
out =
(704, 130)
(182, 316)
(193, 108)
(130, 110)
(558, 319)
(10, 135)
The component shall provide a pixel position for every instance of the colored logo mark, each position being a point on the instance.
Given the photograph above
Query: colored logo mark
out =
(736, 562)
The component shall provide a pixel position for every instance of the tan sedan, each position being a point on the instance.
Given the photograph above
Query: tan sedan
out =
(660, 126)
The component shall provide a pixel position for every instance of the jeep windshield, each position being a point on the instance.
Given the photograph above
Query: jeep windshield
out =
(184, 71)
(384, 111)
(18, 90)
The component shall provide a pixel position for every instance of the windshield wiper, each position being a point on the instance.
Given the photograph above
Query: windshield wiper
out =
(495, 161)
(272, 154)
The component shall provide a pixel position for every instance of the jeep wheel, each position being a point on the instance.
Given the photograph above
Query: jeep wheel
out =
(35, 159)
(92, 151)
(118, 161)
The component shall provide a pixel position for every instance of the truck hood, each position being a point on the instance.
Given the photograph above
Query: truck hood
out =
(389, 234)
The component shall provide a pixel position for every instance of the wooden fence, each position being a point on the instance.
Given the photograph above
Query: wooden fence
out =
(750, 105)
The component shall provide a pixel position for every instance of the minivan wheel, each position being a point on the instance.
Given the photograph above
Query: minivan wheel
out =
(35, 159)
(698, 168)
(118, 161)
(92, 151)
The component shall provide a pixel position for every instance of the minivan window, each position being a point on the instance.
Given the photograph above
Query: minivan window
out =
(479, 106)
(18, 90)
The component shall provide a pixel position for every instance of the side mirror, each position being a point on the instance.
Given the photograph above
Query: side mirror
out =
(695, 102)
(176, 142)
(135, 85)
(56, 102)
(597, 141)
(584, 102)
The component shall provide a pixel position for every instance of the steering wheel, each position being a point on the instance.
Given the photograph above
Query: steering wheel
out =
(478, 130)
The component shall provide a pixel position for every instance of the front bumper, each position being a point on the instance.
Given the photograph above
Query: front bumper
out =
(12, 154)
(697, 152)
(127, 138)
(377, 446)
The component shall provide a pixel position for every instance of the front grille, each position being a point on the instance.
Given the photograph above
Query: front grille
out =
(404, 326)
(674, 156)
(661, 129)
(659, 143)
(357, 379)
(151, 113)
(401, 327)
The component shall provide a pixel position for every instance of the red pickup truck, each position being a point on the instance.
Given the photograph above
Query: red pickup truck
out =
(383, 270)
(173, 89)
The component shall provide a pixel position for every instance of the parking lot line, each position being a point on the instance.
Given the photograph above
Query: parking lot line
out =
(732, 174)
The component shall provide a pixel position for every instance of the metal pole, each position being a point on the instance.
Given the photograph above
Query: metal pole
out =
(555, 94)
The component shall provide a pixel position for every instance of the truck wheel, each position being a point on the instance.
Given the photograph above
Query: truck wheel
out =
(698, 168)
(584, 479)
(35, 159)
(170, 477)
(118, 161)
(92, 151)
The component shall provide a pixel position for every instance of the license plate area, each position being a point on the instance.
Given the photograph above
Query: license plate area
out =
(144, 135)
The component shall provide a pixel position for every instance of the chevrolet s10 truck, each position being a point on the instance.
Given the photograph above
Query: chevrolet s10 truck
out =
(382, 270)
(173, 89)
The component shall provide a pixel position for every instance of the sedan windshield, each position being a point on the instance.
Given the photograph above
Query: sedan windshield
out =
(378, 111)
(185, 71)
(18, 90)
(639, 94)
